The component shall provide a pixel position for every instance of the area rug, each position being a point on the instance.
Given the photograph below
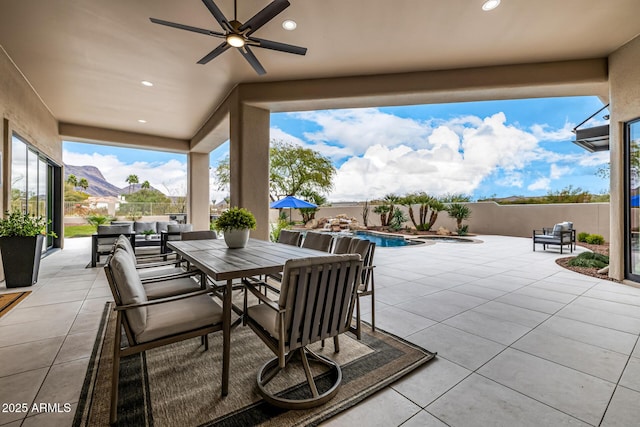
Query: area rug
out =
(180, 384)
(10, 300)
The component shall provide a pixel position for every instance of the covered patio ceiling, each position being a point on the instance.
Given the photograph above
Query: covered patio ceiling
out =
(86, 60)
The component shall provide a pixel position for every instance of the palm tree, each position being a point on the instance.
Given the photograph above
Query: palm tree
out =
(145, 185)
(83, 183)
(391, 199)
(71, 179)
(382, 211)
(436, 206)
(422, 199)
(409, 200)
(460, 212)
(132, 179)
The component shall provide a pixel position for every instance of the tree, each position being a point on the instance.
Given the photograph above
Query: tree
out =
(436, 206)
(147, 196)
(132, 179)
(292, 171)
(317, 199)
(459, 212)
(145, 185)
(73, 180)
(83, 183)
(408, 201)
(391, 200)
(382, 210)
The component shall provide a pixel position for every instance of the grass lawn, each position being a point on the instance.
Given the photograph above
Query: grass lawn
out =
(79, 230)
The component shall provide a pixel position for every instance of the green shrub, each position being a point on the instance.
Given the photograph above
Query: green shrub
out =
(98, 219)
(582, 237)
(22, 224)
(276, 228)
(594, 239)
(235, 219)
(590, 259)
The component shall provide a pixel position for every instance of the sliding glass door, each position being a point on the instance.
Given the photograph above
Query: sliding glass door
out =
(31, 182)
(632, 175)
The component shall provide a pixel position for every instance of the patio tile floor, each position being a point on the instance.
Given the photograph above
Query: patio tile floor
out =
(520, 340)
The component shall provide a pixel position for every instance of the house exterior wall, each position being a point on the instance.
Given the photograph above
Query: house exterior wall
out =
(23, 112)
(624, 95)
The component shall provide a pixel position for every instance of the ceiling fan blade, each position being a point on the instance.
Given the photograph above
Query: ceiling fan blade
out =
(265, 15)
(215, 52)
(186, 27)
(282, 47)
(217, 14)
(251, 59)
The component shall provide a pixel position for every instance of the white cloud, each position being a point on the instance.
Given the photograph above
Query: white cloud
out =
(540, 184)
(544, 132)
(557, 172)
(511, 179)
(169, 177)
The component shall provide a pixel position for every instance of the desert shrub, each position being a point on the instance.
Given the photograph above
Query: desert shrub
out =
(397, 219)
(582, 237)
(590, 259)
(276, 228)
(464, 230)
(594, 239)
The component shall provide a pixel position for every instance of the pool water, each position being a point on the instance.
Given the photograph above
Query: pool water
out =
(384, 241)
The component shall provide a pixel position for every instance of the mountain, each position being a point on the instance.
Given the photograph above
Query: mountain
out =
(98, 185)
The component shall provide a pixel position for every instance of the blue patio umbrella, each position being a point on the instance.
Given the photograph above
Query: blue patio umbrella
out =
(635, 201)
(291, 203)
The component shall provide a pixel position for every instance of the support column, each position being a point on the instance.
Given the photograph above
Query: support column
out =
(249, 163)
(198, 196)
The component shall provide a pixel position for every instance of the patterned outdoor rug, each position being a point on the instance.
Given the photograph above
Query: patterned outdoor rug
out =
(10, 300)
(180, 384)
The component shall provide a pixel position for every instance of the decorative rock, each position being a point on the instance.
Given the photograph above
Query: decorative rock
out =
(443, 232)
(313, 223)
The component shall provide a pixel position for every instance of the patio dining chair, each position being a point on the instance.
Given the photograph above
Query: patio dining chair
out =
(316, 302)
(317, 241)
(153, 323)
(289, 237)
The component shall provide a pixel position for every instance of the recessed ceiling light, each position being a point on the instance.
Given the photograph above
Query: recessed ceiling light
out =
(490, 5)
(146, 83)
(142, 121)
(289, 25)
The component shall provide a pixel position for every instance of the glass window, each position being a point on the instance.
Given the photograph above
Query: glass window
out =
(633, 186)
(32, 182)
(18, 174)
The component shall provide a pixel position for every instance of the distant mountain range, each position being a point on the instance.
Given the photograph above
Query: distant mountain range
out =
(98, 185)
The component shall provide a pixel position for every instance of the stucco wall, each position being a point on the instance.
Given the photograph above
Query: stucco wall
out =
(624, 95)
(23, 112)
(505, 220)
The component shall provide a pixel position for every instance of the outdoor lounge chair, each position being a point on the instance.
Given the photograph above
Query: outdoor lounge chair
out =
(173, 233)
(561, 234)
(153, 323)
(316, 302)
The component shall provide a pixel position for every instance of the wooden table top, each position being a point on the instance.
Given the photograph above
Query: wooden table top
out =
(259, 257)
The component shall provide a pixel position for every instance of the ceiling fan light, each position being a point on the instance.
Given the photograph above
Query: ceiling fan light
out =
(490, 5)
(235, 40)
(289, 25)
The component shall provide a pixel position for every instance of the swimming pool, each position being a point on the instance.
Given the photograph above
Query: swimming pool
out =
(384, 241)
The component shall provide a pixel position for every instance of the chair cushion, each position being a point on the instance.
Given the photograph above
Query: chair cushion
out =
(114, 229)
(130, 289)
(289, 237)
(168, 288)
(125, 244)
(179, 228)
(162, 225)
(266, 317)
(140, 227)
(180, 316)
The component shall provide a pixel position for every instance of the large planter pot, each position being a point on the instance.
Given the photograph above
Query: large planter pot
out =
(236, 238)
(21, 259)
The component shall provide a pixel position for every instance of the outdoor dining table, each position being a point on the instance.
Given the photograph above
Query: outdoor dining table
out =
(216, 260)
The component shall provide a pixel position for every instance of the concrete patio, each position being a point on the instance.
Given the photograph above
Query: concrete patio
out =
(520, 340)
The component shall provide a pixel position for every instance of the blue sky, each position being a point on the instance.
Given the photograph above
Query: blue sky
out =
(502, 148)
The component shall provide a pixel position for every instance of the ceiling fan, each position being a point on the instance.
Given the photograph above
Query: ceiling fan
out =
(239, 35)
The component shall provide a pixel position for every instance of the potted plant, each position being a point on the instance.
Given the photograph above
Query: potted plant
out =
(148, 234)
(235, 223)
(21, 239)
